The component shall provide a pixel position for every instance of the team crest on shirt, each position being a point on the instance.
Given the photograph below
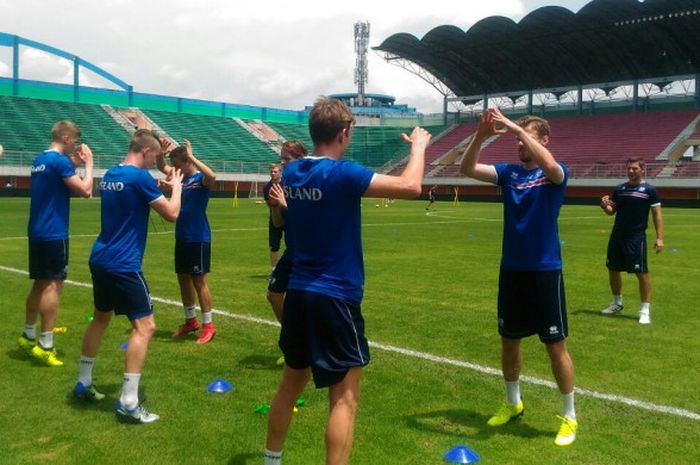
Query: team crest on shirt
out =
(514, 175)
(642, 189)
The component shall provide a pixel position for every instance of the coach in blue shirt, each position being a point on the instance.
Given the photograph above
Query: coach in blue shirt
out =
(53, 180)
(531, 287)
(322, 326)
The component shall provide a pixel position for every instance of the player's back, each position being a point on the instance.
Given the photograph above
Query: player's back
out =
(127, 192)
(323, 198)
(50, 204)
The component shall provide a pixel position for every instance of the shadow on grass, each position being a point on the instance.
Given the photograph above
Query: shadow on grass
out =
(259, 276)
(22, 356)
(461, 423)
(245, 458)
(166, 335)
(597, 313)
(111, 391)
(260, 362)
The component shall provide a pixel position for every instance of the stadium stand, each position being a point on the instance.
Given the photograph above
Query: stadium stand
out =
(218, 140)
(373, 146)
(25, 126)
(596, 146)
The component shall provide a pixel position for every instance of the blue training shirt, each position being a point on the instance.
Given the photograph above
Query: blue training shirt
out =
(192, 224)
(323, 215)
(632, 205)
(127, 193)
(50, 206)
(531, 205)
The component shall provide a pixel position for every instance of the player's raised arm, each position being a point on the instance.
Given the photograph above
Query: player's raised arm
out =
(209, 175)
(470, 165)
(166, 146)
(540, 154)
(408, 184)
(169, 209)
(82, 187)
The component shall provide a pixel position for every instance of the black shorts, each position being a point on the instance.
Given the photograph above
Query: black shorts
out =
(628, 254)
(125, 293)
(192, 257)
(274, 236)
(324, 333)
(48, 259)
(279, 279)
(532, 302)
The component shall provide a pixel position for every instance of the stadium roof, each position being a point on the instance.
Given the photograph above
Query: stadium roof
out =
(606, 43)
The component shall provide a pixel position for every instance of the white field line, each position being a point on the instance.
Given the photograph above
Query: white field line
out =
(437, 359)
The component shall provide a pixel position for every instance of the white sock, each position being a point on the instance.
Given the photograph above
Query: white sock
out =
(273, 458)
(86, 364)
(617, 299)
(206, 316)
(130, 390)
(190, 312)
(646, 306)
(46, 339)
(30, 331)
(513, 392)
(567, 406)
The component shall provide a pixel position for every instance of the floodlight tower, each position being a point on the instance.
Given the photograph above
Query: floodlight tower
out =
(361, 71)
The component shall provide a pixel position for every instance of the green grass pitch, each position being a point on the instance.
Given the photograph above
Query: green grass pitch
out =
(430, 288)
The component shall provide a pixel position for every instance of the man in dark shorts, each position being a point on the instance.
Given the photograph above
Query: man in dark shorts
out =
(432, 197)
(322, 325)
(192, 238)
(53, 180)
(627, 247)
(275, 233)
(128, 193)
(279, 279)
(531, 288)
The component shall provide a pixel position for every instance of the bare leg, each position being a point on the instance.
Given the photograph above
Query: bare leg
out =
(644, 287)
(141, 335)
(511, 358)
(201, 286)
(615, 279)
(290, 388)
(187, 290)
(274, 258)
(43, 299)
(276, 300)
(93, 334)
(344, 399)
(562, 366)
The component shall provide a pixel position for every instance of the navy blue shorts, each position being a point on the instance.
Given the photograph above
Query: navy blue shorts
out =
(48, 259)
(125, 293)
(532, 302)
(192, 257)
(628, 254)
(274, 236)
(324, 333)
(279, 279)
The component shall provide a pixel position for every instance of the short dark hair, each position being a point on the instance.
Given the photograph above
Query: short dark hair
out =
(328, 117)
(144, 138)
(541, 124)
(179, 153)
(637, 160)
(295, 148)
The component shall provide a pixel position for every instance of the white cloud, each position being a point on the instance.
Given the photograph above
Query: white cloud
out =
(273, 53)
